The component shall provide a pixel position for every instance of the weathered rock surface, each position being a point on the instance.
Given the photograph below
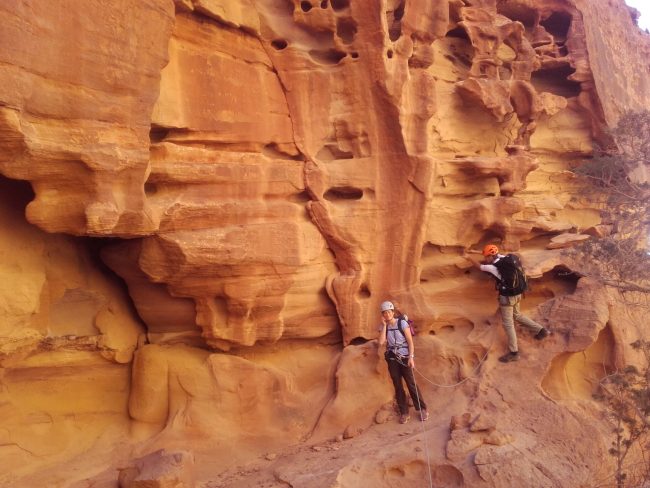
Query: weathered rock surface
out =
(218, 194)
(160, 470)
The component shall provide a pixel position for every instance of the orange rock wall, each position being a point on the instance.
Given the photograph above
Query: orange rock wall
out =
(261, 174)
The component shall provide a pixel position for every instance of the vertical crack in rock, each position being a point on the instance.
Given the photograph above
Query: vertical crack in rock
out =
(347, 282)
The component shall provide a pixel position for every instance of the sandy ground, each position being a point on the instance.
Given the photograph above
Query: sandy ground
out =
(359, 461)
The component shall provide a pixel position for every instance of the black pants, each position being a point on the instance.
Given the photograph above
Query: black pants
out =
(397, 371)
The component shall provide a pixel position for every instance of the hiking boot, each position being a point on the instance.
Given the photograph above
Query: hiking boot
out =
(404, 418)
(510, 356)
(424, 415)
(543, 332)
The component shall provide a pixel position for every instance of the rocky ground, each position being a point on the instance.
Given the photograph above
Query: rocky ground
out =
(346, 462)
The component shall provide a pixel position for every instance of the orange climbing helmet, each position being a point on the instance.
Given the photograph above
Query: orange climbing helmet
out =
(490, 250)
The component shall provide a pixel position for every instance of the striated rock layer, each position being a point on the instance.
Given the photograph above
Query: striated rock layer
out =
(205, 201)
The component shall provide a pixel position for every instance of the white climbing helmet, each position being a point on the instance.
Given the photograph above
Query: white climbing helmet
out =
(387, 306)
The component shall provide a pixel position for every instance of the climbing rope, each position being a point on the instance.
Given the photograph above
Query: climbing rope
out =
(417, 395)
(474, 370)
(400, 359)
(424, 432)
(461, 381)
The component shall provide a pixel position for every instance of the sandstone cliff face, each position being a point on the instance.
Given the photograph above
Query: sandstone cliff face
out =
(217, 195)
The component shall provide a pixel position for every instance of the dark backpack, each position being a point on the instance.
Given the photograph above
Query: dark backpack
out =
(513, 277)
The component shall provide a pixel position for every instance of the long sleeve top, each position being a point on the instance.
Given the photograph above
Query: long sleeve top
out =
(491, 268)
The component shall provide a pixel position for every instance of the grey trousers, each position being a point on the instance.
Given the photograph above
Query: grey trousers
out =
(509, 307)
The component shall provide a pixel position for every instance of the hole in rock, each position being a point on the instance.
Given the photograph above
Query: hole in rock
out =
(395, 32)
(565, 274)
(556, 81)
(485, 70)
(458, 33)
(394, 19)
(346, 29)
(150, 188)
(558, 25)
(17, 192)
(323, 4)
(331, 56)
(94, 247)
(354, 55)
(279, 44)
(358, 341)
(305, 6)
(389, 54)
(343, 193)
(302, 197)
(75, 312)
(518, 12)
(364, 292)
(557, 282)
(340, 4)
(399, 11)
(157, 133)
(15, 195)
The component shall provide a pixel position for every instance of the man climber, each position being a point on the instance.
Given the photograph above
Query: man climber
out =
(511, 283)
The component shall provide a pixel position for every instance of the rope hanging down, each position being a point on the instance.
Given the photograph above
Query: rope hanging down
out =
(426, 444)
(461, 381)
(471, 375)
(424, 433)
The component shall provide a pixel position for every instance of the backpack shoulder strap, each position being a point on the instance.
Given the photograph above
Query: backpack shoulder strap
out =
(506, 262)
(400, 326)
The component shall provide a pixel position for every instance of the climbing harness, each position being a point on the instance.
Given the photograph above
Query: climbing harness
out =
(403, 360)
(400, 359)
